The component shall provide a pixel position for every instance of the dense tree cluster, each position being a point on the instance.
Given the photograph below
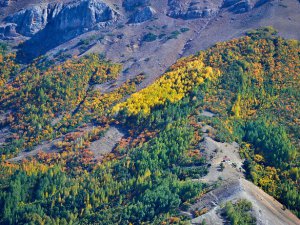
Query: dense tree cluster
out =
(140, 187)
(239, 213)
(272, 142)
(172, 86)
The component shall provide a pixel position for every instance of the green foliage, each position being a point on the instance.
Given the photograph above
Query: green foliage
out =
(8, 68)
(184, 29)
(239, 213)
(36, 96)
(149, 37)
(174, 34)
(264, 32)
(3, 48)
(138, 188)
(271, 141)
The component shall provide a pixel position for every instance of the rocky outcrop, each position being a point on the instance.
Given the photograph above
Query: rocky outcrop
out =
(8, 31)
(132, 4)
(50, 24)
(238, 6)
(241, 7)
(81, 15)
(188, 9)
(192, 9)
(143, 15)
(29, 21)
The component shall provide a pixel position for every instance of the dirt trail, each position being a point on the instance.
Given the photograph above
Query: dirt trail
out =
(46, 147)
(267, 210)
(233, 186)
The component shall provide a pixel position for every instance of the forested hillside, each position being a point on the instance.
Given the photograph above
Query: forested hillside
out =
(251, 84)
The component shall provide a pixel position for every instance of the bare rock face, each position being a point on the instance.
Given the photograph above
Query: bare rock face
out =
(188, 9)
(143, 15)
(84, 14)
(30, 21)
(8, 31)
(193, 9)
(80, 15)
(50, 24)
(238, 6)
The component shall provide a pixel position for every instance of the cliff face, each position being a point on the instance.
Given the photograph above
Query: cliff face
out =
(79, 15)
(85, 15)
(30, 21)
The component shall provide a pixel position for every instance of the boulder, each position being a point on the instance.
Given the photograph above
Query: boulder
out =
(143, 15)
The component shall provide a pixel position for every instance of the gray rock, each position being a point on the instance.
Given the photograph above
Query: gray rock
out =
(201, 13)
(49, 25)
(242, 6)
(132, 4)
(81, 15)
(54, 10)
(30, 21)
(8, 30)
(84, 14)
(143, 15)
(238, 6)
(188, 9)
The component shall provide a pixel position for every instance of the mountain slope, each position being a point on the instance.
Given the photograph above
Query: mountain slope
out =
(180, 28)
(247, 88)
